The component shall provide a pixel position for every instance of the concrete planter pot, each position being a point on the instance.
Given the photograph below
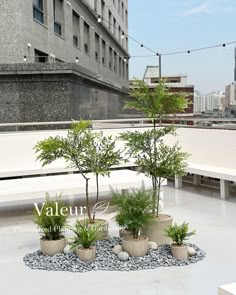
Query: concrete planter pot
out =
(155, 230)
(86, 254)
(179, 252)
(135, 247)
(103, 227)
(124, 233)
(51, 248)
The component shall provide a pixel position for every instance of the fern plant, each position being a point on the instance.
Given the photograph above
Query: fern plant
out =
(134, 209)
(179, 233)
(50, 219)
(84, 234)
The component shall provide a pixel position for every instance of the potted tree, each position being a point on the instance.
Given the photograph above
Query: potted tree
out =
(85, 237)
(155, 158)
(85, 150)
(134, 214)
(178, 234)
(51, 219)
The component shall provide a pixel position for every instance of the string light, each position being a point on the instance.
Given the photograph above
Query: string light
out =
(77, 59)
(25, 59)
(99, 19)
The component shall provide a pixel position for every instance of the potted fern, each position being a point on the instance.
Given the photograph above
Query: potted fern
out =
(178, 234)
(51, 219)
(85, 236)
(134, 214)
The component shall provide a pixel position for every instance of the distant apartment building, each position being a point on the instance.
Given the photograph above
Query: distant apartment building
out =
(210, 104)
(230, 100)
(175, 83)
(77, 50)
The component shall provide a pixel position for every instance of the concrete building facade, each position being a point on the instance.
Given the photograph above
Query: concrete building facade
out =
(92, 34)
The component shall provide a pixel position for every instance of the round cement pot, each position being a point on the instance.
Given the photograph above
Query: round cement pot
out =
(155, 230)
(135, 247)
(103, 224)
(86, 254)
(51, 248)
(179, 252)
(125, 233)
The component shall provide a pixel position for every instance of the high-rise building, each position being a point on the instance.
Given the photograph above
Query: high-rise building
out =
(82, 41)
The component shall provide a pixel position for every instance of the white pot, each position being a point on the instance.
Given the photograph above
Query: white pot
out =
(135, 247)
(86, 254)
(53, 247)
(155, 230)
(179, 252)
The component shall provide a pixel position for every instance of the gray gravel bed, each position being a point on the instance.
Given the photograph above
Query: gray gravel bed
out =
(107, 261)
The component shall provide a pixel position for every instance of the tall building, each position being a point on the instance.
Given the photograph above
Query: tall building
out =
(76, 49)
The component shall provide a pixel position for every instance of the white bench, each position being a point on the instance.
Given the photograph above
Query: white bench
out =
(227, 289)
(29, 190)
(225, 176)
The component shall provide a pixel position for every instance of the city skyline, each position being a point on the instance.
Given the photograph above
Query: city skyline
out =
(184, 26)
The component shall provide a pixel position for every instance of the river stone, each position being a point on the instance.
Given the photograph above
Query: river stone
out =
(152, 245)
(67, 249)
(123, 256)
(117, 249)
(191, 251)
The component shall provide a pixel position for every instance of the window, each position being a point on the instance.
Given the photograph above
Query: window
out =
(123, 69)
(119, 6)
(86, 38)
(114, 27)
(115, 62)
(127, 43)
(96, 5)
(120, 66)
(97, 47)
(126, 17)
(103, 52)
(119, 31)
(76, 29)
(122, 11)
(103, 8)
(38, 10)
(127, 71)
(58, 16)
(110, 20)
(110, 58)
(40, 56)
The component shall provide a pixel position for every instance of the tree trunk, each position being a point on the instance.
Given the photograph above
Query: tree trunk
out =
(154, 194)
(158, 195)
(88, 202)
(97, 186)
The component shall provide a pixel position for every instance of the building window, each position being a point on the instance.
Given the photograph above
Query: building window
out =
(110, 58)
(110, 20)
(119, 6)
(76, 29)
(103, 8)
(123, 69)
(86, 38)
(115, 62)
(96, 5)
(126, 17)
(58, 16)
(38, 10)
(97, 47)
(122, 11)
(127, 71)
(40, 56)
(103, 52)
(120, 66)
(119, 31)
(114, 27)
(127, 43)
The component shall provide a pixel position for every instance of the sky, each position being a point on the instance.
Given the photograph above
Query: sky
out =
(176, 25)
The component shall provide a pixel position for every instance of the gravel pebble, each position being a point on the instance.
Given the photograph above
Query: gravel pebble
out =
(107, 261)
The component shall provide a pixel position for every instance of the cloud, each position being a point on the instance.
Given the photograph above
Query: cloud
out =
(203, 8)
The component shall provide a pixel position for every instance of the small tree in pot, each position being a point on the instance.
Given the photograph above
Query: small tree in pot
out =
(85, 236)
(158, 161)
(51, 219)
(85, 150)
(178, 234)
(134, 214)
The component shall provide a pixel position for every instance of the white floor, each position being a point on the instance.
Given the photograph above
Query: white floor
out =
(213, 219)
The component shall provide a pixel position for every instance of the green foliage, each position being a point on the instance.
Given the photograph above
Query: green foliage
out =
(134, 209)
(156, 159)
(49, 218)
(179, 233)
(83, 149)
(85, 234)
(158, 102)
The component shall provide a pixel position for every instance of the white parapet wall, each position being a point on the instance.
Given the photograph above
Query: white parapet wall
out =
(229, 289)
